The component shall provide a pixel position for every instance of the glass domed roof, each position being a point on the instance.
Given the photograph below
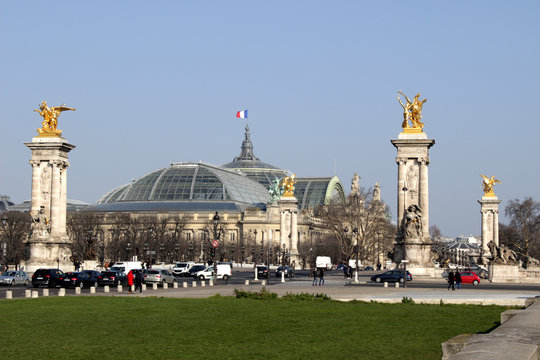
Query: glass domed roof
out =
(190, 181)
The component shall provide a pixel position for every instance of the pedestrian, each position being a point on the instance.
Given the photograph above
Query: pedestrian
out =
(457, 278)
(314, 273)
(138, 280)
(130, 281)
(451, 280)
(350, 272)
(345, 271)
(321, 276)
(378, 266)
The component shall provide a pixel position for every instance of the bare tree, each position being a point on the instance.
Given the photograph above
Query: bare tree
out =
(83, 229)
(525, 219)
(14, 232)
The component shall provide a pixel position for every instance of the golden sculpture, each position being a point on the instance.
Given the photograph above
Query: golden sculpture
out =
(412, 111)
(288, 185)
(50, 119)
(488, 184)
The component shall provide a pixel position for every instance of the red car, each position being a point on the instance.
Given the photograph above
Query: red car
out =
(469, 277)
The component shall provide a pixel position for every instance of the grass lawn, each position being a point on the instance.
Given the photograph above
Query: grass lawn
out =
(228, 328)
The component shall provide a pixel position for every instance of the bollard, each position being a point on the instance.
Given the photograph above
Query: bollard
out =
(154, 286)
(194, 284)
(175, 285)
(45, 292)
(106, 289)
(35, 294)
(165, 286)
(203, 283)
(263, 282)
(246, 282)
(9, 294)
(184, 284)
(92, 290)
(119, 288)
(397, 284)
(210, 283)
(62, 292)
(143, 287)
(27, 293)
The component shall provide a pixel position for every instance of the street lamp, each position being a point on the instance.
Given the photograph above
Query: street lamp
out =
(284, 255)
(215, 245)
(404, 261)
(254, 255)
(356, 250)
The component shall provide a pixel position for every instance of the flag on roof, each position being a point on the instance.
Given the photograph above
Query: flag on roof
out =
(242, 114)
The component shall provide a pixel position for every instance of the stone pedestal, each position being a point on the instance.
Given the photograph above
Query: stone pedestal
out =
(412, 189)
(489, 208)
(288, 228)
(504, 273)
(48, 244)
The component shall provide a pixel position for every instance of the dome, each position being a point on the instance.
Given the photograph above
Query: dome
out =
(196, 182)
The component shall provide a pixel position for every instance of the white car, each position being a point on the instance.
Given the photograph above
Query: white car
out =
(182, 268)
(223, 272)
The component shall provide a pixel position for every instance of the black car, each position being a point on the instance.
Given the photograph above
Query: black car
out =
(195, 269)
(79, 279)
(111, 277)
(391, 276)
(289, 272)
(262, 271)
(94, 274)
(48, 277)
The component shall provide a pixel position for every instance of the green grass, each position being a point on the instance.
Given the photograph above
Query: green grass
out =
(229, 328)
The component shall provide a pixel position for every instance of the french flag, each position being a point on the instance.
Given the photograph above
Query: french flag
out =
(242, 114)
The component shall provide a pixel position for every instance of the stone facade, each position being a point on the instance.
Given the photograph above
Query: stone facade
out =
(489, 208)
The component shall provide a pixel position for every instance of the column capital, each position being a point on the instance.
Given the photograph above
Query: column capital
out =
(401, 160)
(34, 163)
(423, 160)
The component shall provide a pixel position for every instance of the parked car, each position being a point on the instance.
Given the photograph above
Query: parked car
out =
(94, 274)
(14, 278)
(369, 268)
(195, 269)
(78, 279)
(391, 276)
(182, 268)
(262, 271)
(289, 272)
(470, 277)
(112, 278)
(48, 277)
(341, 267)
(158, 276)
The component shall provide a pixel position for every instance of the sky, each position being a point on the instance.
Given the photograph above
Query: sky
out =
(156, 82)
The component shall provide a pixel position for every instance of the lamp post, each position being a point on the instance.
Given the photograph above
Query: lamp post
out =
(284, 255)
(356, 250)
(404, 261)
(215, 246)
(254, 255)
(378, 251)
(4, 247)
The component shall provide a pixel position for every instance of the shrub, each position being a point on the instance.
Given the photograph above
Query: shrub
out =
(306, 297)
(407, 300)
(264, 294)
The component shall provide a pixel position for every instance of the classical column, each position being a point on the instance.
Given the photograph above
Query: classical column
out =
(63, 196)
(282, 229)
(36, 188)
(55, 199)
(424, 194)
(489, 208)
(496, 226)
(294, 233)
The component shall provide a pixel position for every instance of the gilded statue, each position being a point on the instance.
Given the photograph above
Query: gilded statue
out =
(288, 185)
(412, 111)
(488, 184)
(50, 119)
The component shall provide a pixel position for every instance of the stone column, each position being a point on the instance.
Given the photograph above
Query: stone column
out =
(489, 208)
(294, 233)
(36, 189)
(401, 201)
(282, 229)
(55, 199)
(288, 207)
(424, 195)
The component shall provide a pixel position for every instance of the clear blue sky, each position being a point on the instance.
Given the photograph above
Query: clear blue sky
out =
(156, 82)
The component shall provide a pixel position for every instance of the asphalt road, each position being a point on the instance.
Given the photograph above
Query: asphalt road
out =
(332, 279)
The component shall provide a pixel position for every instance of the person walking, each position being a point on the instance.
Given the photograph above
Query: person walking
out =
(130, 281)
(451, 280)
(345, 271)
(314, 273)
(350, 272)
(138, 281)
(321, 276)
(457, 279)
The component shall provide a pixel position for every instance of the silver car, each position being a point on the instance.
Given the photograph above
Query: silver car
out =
(158, 276)
(14, 278)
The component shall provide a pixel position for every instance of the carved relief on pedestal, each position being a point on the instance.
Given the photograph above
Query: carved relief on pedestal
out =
(45, 181)
(412, 181)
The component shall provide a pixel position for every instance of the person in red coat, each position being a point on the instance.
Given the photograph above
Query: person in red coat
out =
(130, 280)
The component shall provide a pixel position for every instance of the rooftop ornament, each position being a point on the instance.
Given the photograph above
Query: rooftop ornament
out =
(50, 119)
(488, 184)
(412, 112)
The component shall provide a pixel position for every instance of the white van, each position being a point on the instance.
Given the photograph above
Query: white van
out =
(352, 264)
(126, 266)
(323, 262)
(223, 272)
(182, 268)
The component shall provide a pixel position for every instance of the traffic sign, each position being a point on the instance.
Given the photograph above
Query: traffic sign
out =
(215, 243)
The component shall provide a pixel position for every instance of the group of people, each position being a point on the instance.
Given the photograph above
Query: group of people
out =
(135, 277)
(317, 273)
(454, 280)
